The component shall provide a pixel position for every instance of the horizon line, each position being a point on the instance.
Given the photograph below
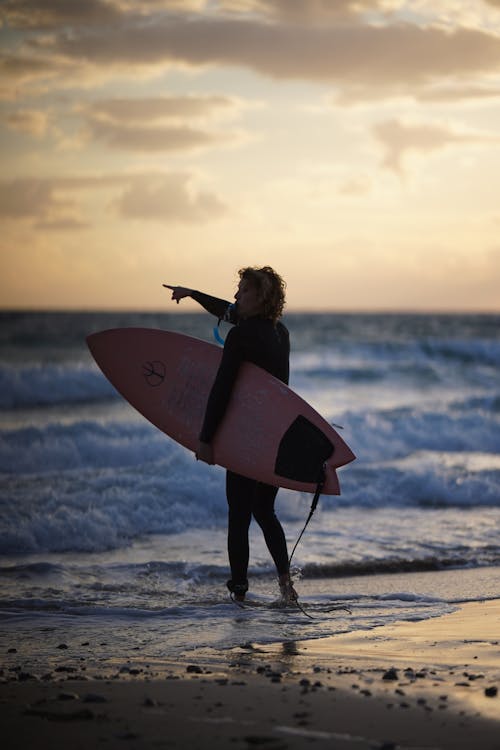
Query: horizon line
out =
(291, 311)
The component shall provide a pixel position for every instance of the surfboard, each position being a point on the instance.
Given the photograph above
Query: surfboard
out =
(269, 432)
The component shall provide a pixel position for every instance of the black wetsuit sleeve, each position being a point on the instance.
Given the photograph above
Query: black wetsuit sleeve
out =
(232, 357)
(221, 308)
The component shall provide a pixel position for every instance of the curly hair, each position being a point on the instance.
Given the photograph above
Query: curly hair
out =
(271, 288)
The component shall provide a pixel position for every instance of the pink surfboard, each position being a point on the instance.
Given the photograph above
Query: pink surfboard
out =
(268, 433)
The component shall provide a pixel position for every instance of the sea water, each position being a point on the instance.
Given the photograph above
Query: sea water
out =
(112, 534)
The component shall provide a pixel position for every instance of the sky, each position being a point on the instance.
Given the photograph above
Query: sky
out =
(353, 145)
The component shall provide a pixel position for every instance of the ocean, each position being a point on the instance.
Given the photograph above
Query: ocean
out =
(113, 535)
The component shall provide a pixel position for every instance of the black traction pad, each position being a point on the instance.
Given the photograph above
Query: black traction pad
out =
(302, 451)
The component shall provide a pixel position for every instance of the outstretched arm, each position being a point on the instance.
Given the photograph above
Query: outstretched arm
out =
(221, 308)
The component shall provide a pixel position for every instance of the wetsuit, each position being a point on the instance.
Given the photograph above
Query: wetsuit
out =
(267, 345)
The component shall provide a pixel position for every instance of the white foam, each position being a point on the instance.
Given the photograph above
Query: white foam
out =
(46, 384)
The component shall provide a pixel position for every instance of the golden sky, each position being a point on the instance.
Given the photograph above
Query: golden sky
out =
(354, 145)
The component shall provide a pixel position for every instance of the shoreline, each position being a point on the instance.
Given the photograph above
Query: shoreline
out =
(428, 684)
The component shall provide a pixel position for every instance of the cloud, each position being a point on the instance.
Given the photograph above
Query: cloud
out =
(18, 69)
(28, 197)
(30, 121)
(32, 14)
(61, 224)
(166, 138)
(358, 185)
(50, 14)
(168, 199)
(361, 47)
(310, 11)
(160, 107)
(56, 203)
(361, 59)
(53, 14)
(43, 202)
(156, 123)
(459, 92)
(399, 138)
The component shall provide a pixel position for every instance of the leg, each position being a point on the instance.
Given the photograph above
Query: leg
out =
(239, 492)
(263, 512)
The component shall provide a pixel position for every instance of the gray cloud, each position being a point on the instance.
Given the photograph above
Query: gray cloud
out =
(133, 123)
(307, 11)
(55, 203)
(33, 122)
(457, 93)
(366, 59)
(166, 138)
(398, 139)
(22, 65)
(41, 202)
(159, 108)
(49, 14)
(26, 198)
(168, 199)
(69, 224)
(316, 40)
(22, 68)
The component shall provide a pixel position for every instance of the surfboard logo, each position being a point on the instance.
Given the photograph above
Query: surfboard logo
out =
(154, 373)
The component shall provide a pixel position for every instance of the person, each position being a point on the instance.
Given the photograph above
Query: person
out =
(257, 336)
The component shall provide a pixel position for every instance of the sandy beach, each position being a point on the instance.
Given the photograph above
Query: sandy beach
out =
(428, 684)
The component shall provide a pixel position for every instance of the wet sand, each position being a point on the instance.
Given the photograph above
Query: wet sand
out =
(429, 684)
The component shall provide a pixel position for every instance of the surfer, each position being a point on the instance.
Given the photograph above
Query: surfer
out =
(260, 337)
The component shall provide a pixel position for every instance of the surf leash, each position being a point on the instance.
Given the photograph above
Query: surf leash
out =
(314, 504)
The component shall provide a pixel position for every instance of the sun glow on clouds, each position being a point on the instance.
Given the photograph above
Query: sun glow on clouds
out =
(353, 145)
